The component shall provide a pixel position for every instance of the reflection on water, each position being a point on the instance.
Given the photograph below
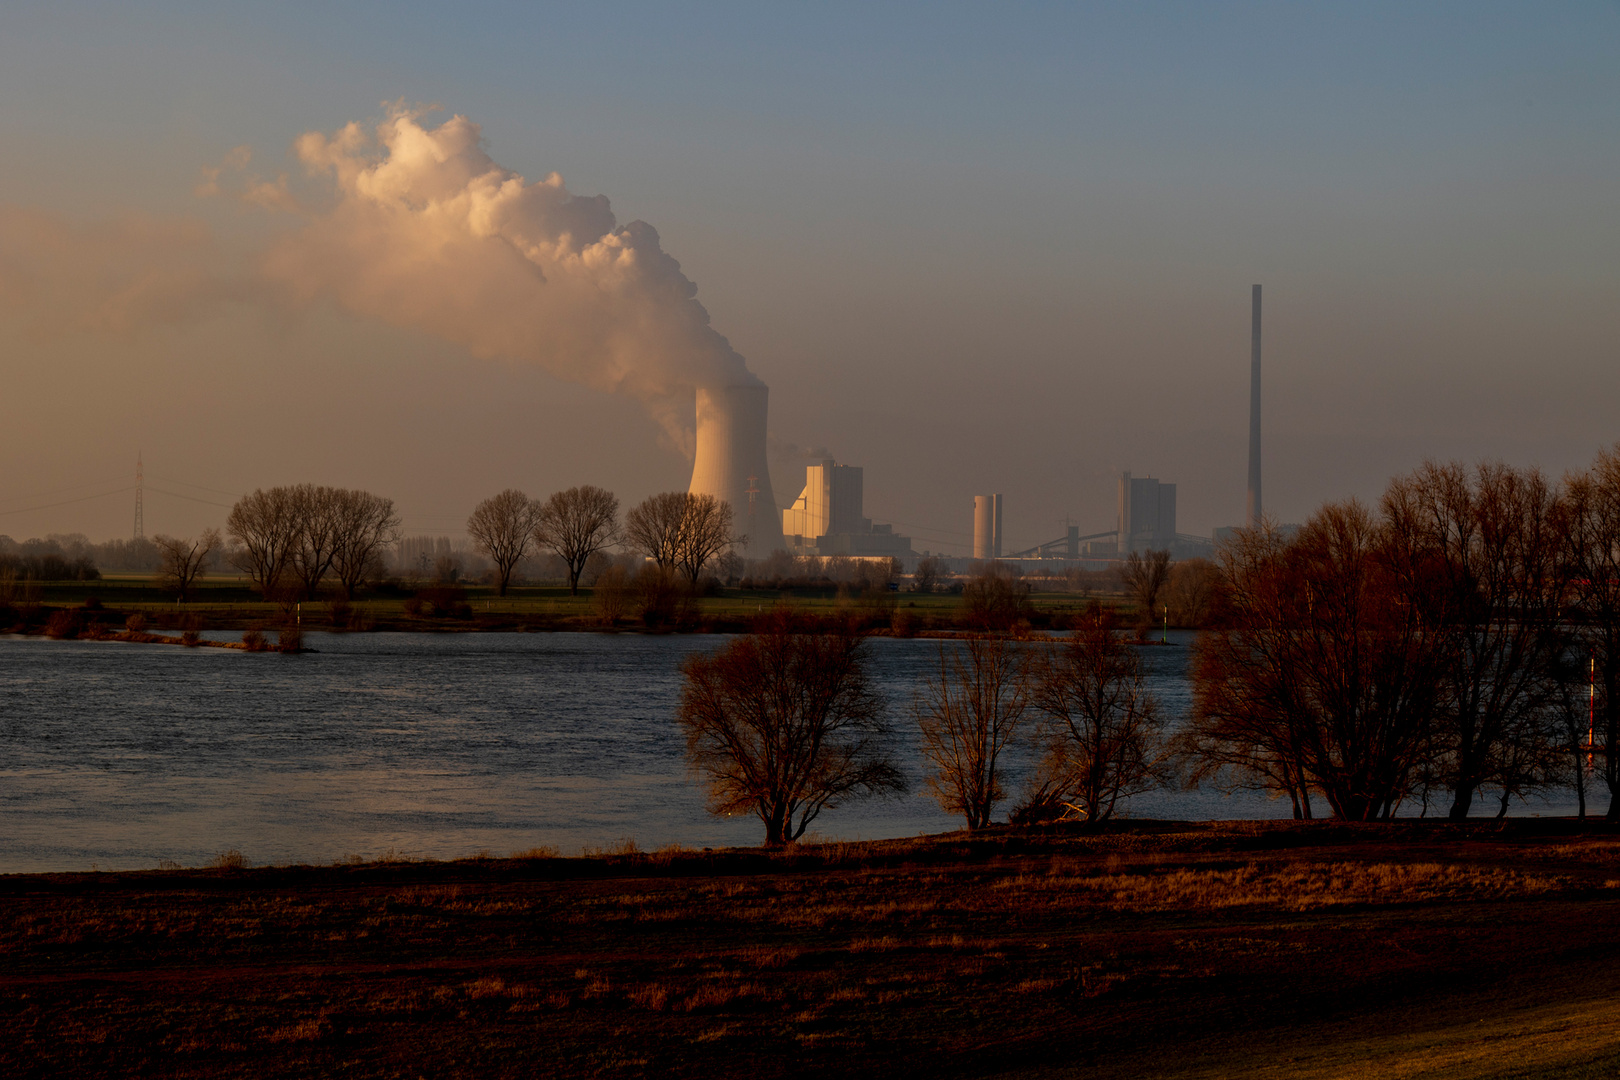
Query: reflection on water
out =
(432, 745)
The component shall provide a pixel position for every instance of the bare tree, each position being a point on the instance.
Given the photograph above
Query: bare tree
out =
(996, 600)
(1145, 577)
(1191, 592)
(1323, 674)
(1101, 729)
(968, 717)
(184, 561)
(705, 533)
(655, 526)
(366, 524)
(312, 554)
(1485, 557)
(1593, 503)
(266, 525)
(784, 723)
(502, 527)
(930, 569)
(576, 524)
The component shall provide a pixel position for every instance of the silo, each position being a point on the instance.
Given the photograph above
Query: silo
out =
(730, 462)
(987, 527)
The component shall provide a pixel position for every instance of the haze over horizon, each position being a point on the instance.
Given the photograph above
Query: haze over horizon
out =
(971, 250)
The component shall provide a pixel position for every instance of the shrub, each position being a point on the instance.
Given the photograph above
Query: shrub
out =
(63, 624)
(92, 603)
(136, 623)
(191, 638)
(290, 640)
(253, 640)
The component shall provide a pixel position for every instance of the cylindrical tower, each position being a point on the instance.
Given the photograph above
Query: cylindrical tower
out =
(987, 527)
(730, 462)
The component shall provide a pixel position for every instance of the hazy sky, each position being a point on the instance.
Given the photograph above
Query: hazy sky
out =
(973, 248)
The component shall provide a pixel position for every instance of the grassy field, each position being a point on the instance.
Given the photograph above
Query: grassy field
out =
(1154, 949)
(229, 603)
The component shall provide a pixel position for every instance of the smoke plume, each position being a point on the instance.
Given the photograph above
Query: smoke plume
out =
(419, 227)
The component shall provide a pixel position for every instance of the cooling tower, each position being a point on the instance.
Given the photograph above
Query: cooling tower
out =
(730, 462)
(987, 527)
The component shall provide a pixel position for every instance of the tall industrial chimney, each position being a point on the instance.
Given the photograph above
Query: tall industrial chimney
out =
(730, 462)
(1252, 518)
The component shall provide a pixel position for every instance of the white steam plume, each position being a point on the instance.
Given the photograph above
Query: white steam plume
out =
(423, 229)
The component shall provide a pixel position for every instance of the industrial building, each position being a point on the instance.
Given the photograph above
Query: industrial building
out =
(730, 464)
(987, 527)
(828, 517)
(1147, 514)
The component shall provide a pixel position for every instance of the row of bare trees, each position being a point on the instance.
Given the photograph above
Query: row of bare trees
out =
(576, 524)
(1440, 644)
(784, 723)
(681, 532)
(288, 539)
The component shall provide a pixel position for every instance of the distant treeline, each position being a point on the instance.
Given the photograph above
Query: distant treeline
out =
(59, 557)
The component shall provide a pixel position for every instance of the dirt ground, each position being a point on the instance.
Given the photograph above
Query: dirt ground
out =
(1149, 949)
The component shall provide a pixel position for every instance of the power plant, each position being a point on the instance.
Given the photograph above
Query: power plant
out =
(828, 517)
(730, 462)
(1147, 514)
(987, 526)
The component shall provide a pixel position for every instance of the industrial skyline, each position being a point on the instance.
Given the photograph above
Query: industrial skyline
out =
(1001, 252)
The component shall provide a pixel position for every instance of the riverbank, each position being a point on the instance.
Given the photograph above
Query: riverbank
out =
(1148, 949)
(102, 608)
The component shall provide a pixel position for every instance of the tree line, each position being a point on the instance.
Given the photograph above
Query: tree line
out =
(682, 533)
(1459, 641)
(784, 722)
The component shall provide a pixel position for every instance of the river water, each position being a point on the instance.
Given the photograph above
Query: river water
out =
(119, 756)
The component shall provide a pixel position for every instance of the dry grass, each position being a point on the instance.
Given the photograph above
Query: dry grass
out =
(1291, 887)
(856, 960)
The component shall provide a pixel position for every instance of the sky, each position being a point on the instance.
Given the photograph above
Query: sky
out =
(971, 248)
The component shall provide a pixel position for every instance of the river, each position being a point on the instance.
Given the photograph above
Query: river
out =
(121, 756)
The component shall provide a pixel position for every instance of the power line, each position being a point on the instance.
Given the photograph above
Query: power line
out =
(192, 498)
(199, 487)
(58, 491)
(68, 502)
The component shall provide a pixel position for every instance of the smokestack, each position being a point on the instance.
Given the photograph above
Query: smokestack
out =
(730, 462)
(1252, 518)
(987, 527)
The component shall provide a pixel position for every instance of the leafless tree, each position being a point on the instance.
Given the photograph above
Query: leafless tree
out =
(655, 527)
(1593, 505)
(968, 717)
(1486, 559)
(996, 600)
(366, 524)
(1145, 576)
(576, 524)
(784, 723)
(1322, 674)
(1191, 592)
(502, 527)
(184, 561)
(930, 569)
(705, 533)
(266, 525)
(1101, 730)
(312, 554)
